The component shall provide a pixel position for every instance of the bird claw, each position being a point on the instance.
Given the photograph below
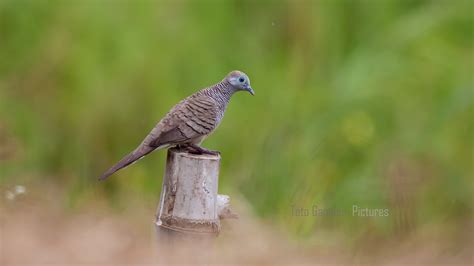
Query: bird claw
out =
(199, 150)
(213, 152)
(209, 152)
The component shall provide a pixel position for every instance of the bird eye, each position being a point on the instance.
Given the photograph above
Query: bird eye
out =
(241, 79)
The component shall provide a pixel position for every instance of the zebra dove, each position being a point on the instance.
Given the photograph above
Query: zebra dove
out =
(190, 121)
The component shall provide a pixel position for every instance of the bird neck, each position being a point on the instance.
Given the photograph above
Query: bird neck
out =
(222, 92)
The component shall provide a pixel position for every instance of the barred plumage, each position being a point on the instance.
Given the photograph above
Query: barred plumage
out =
(190, 121)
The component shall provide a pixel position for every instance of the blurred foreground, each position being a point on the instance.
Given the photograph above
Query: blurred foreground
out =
(36, 230)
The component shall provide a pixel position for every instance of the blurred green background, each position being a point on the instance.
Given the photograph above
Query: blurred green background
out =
(364, 103)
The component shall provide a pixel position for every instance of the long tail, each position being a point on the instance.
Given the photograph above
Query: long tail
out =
(127, 160)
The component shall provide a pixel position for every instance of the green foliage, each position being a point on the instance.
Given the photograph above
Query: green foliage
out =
(356, 102)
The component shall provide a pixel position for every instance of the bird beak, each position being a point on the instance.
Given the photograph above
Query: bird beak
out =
(249, 89)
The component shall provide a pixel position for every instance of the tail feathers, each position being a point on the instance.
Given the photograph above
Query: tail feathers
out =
(127, 160)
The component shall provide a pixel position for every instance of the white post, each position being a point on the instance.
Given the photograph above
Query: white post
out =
(189, 201)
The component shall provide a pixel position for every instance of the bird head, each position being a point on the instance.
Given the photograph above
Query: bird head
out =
(240, 81)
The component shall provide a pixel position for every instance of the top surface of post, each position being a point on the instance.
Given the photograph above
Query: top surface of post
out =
(184, 153)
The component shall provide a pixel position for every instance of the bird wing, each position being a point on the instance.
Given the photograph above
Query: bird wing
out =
(192, 118)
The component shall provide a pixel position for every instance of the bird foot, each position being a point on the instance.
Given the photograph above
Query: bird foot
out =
(194, 149)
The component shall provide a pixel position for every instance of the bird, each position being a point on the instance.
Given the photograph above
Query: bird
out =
(190, 121)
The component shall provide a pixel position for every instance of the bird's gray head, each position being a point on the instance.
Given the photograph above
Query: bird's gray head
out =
(239, 81)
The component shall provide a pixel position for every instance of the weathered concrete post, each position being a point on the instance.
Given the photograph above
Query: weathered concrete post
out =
(189, 202)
